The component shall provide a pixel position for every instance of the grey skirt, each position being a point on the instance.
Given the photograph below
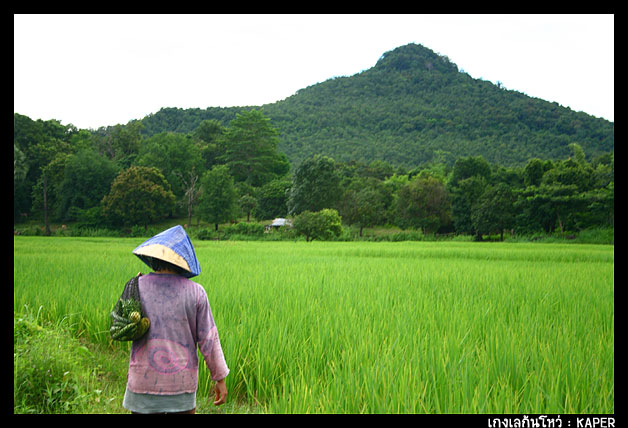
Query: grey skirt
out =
(149, 403)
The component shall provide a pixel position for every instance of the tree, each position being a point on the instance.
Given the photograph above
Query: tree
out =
(601, 199)
(463, 196)
(40, 142)
(570, 173)
(44, 177)
(322, 225)
(20, 167)
(177, 156)
(210, 133)
(87, 178)
(535, 213)
(549, 204)
(45, 191)
(366, 200)
(365, 208)
(533, 172)
(189, 181)
(21, 190)
(562, 192)
(272, 198)
(470, 176)
(494, 211)
(120, 143)
(600, 208)
(315, 185)
(138, 195)
(470, 167)
(217, 202)
(578, 154)
(250, 149)
(423, 203)
(247, 204)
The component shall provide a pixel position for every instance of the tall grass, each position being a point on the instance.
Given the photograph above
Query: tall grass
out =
(345, 327)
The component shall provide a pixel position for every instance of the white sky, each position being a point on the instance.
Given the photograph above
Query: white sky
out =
(99, 70)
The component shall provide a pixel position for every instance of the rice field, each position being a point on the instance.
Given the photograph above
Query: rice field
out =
(350, 327)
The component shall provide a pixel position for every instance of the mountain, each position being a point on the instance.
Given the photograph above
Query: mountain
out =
(413, 107)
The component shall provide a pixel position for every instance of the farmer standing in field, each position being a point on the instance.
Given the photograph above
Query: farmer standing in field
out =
(163, 367)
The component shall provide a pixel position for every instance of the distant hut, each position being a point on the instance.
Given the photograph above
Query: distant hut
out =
(277, 223)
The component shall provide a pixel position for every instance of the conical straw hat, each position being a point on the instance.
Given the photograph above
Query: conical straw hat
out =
(174, 246)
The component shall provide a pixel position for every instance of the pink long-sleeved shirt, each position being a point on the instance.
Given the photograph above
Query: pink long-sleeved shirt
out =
(164, 361)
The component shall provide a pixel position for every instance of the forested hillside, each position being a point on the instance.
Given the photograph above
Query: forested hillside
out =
(412, 108)
(413, 143)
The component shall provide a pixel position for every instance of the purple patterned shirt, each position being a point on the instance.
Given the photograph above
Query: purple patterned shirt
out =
(165, 361)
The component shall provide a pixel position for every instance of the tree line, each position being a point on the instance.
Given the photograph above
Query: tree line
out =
(118, 178)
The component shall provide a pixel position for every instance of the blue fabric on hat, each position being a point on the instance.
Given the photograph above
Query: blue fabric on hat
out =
(178, 241)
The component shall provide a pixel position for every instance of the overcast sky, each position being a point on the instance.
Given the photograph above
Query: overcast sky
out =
(99, 70)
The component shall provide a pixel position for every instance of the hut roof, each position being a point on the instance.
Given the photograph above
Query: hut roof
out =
(281, 222)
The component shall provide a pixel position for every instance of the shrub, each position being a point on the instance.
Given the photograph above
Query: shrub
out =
(206, 234)
(322, 225)
(46, 378)
(249, 229)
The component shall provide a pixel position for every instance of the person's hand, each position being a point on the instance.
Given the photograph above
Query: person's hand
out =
(221, 392)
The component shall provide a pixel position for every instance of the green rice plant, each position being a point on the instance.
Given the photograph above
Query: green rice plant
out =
(372, 327)
(52, 371)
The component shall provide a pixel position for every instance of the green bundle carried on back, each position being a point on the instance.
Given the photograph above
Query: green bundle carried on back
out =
(127, 318)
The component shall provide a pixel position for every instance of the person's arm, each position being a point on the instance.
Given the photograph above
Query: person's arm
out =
(209, 345)
(221, 392)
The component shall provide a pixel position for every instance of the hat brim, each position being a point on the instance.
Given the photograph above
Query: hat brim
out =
(161, 252)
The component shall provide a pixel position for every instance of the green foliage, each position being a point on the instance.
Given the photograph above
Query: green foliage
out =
(247, 204)
(86, 179)
(322, 225)
(412, 114)
(320, 326)
(366, 203)
(48, 374)
(467, 167)
(412, 108)
(209, 134)
(251, 229)
(174, 155)
(272, 199)
(217, 203)
(120, 143)
(238, 231)
(463, 196)
(20, 167)
(494, 210)
(315, 185)
(40, 142)
(533, 172)
(423, 203)
(250, 149)
(138, 195)
(88, 218)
